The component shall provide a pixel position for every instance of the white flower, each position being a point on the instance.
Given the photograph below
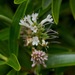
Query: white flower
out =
(44, 43)
(38, 57)
(34, 29)
(28, 19)
(34, 17)
(35, 40)
(22, 22)
(47, 19)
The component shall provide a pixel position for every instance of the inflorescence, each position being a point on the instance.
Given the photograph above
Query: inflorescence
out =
(35, 34)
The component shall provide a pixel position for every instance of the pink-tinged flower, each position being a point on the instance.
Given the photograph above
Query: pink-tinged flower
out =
(38, 57)
(29, 40)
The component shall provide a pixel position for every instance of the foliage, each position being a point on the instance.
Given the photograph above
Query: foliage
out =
(15, 58)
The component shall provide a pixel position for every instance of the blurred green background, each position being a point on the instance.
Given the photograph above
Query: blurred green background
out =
(65, 27)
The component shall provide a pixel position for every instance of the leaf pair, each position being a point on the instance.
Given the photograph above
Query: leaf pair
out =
(12, 61)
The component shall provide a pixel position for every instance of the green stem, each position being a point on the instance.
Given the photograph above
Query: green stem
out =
(3, 57)
(37, 69)
(36, 73)
(6, 19)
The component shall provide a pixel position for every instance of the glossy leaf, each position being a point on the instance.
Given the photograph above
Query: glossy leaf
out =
(13, 62)
(61, 60)
(72, 6)
(15, 28)
(46, 3)
(55, 10)
(19, 1)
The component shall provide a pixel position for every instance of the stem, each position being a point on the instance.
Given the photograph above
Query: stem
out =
(6, 19)
(3, 57)
(36, 73)
(37, 69)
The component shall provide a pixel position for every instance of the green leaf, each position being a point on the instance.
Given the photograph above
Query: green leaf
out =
(53, 49)
(4, 69)
(23, 73)
(4, 58)
(4, 48)
(5, 9)
(4, 34)
(2, 62)
(24, 59)
(34, 6)
(67, 37)
(12, 72)
(5, 19)
(61, 60)
(15, 28)
(46, 3)
(72, 6)
(13, 62)
(55, 9)
(60, 70)
(19, 1)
